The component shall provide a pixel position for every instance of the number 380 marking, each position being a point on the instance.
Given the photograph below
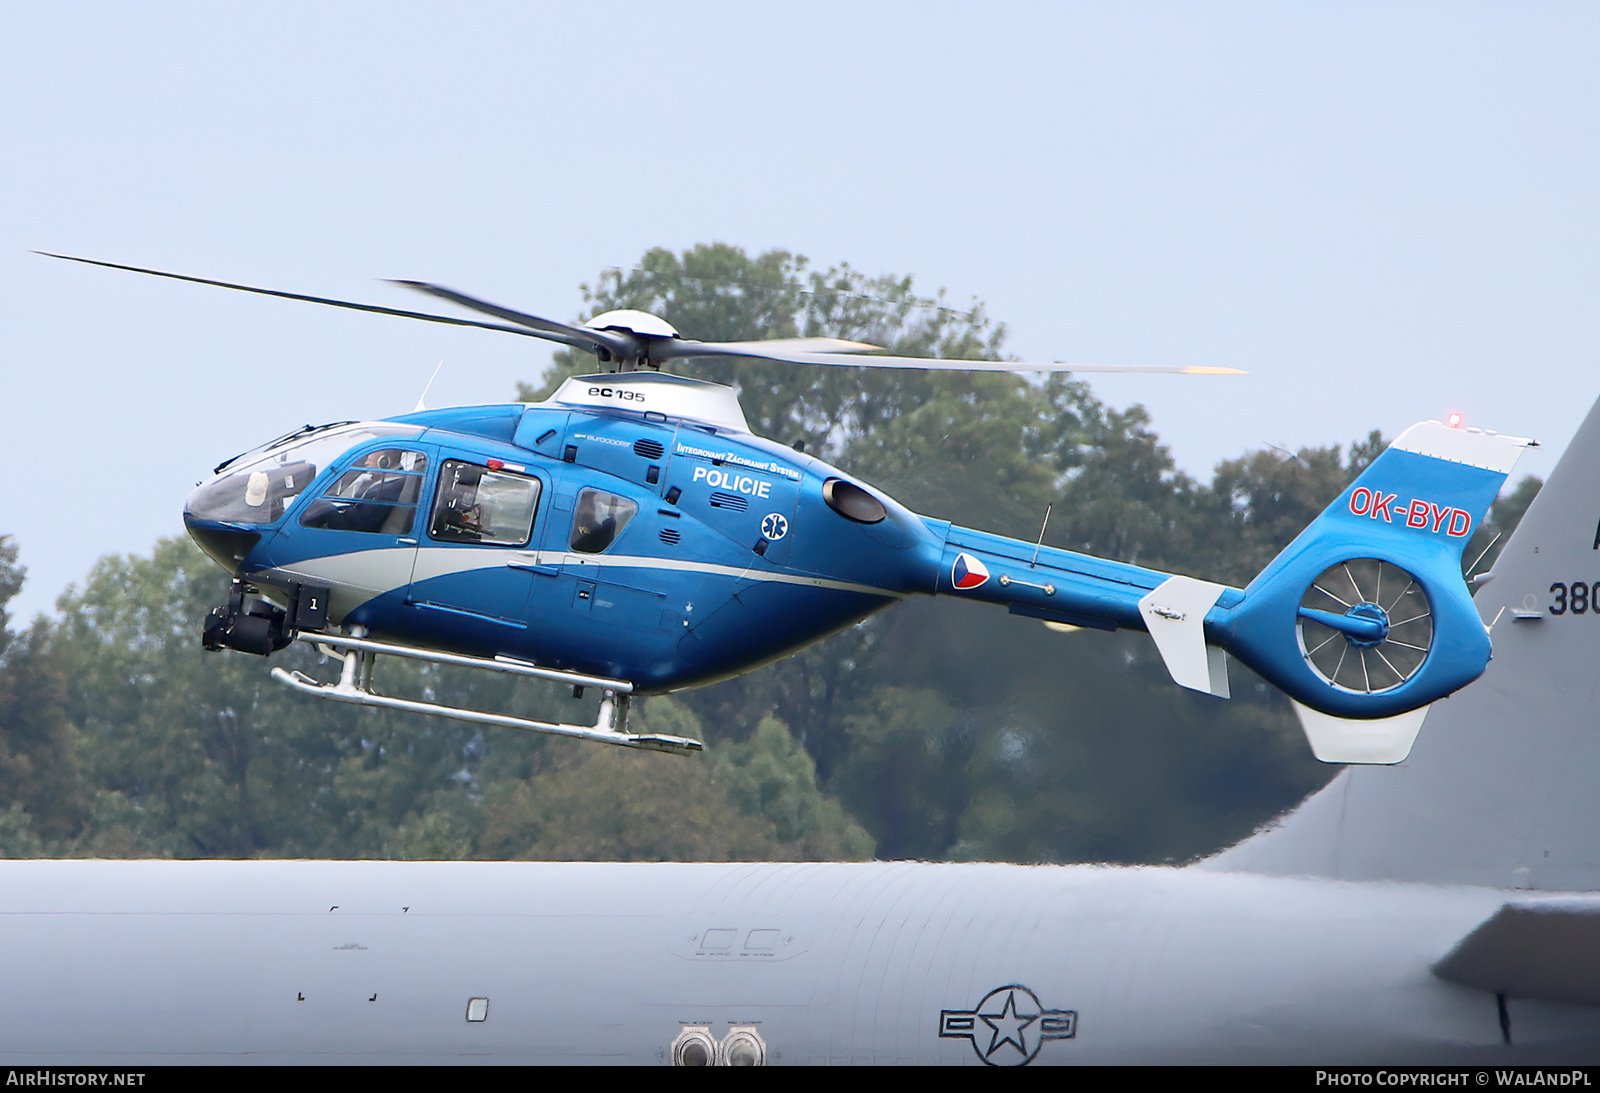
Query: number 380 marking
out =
(1578, 598)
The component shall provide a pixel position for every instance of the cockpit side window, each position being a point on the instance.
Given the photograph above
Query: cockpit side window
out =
(480, 505)
(597, 520)
(377, 494)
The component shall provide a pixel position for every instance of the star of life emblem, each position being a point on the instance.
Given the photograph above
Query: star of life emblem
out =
(774, 526)
(1009, 1026)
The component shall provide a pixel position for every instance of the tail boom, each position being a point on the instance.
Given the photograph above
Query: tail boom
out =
(1046, 583)
(1364, 616)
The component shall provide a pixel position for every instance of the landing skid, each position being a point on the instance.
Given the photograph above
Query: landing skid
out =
(355, 686)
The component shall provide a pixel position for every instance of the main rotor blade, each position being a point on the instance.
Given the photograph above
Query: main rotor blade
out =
(772, 349)
(759, 351)
(764, 347)
(375, 308)
(624, 346)
(579, 337)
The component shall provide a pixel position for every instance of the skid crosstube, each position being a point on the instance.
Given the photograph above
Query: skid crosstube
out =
(355, 687)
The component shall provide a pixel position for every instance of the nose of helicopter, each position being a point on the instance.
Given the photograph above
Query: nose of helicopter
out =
(227, 513)
(226, 545)
(207, 515)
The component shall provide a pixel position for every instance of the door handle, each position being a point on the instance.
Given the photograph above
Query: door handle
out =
(533, 563)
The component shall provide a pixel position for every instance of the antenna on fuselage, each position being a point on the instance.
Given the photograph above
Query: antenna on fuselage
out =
(422, 398)
(1035, 563)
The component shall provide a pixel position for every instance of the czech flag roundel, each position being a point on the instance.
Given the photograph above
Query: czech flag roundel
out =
(968, 573)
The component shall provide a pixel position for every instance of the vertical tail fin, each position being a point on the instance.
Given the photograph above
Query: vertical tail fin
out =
(1365, 616)
(1504, 787)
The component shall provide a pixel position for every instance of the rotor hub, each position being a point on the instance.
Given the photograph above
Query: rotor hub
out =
(1369, 612)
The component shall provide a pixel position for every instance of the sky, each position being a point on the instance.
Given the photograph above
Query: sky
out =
(1385, 212)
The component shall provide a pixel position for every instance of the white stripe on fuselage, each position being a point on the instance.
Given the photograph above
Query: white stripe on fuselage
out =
(376, 572)
(604, 561)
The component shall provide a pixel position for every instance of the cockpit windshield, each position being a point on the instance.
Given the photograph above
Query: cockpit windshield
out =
(259, 485)
(305, 432)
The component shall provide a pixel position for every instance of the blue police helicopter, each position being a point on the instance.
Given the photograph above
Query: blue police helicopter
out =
(631, 535)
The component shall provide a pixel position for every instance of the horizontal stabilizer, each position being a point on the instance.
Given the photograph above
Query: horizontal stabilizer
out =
(1546, 949)
(1471, 447)
(1175, 614)
(1382, 740)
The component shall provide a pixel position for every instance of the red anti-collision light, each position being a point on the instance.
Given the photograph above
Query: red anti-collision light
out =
(496, 464)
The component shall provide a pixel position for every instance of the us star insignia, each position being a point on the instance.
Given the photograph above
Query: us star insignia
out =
(1009, 1026)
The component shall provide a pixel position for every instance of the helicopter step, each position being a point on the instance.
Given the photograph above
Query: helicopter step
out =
(355, 686)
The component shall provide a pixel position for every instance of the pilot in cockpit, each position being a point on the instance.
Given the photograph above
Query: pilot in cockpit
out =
(461, 511)
(369, 485)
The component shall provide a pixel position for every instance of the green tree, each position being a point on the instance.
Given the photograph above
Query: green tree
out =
(716, 292)
(11, 578)
(1266, 498)
(755, 800)
(41, 787)
(194, 754)
(771, 776)
(1509, 508)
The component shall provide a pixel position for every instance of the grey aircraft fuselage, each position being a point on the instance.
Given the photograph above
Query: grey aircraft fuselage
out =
(138, 963)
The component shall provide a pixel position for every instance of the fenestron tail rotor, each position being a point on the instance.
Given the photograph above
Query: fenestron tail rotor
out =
(633, 339)
(1365, 625)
